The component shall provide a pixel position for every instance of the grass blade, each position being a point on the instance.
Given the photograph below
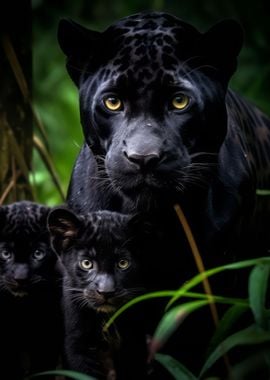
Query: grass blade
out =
(225, 324)
(47, 160)
(134, 301)
(198, 260)
(170, 322)
(176, 369)
(251, 365)
(249, 336)
(71, 374)
(258, 284)
(263, 192)
(17, 152)
(210, 272)
(170, 293)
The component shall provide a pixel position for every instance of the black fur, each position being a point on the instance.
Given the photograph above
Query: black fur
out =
(209, 157)
(29, 319)
(103, 241)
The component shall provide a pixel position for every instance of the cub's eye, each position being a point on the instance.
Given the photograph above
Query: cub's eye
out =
(123, 264)
(6, 255)
(38, 255)
(86, 264)
(180, 102)
(113, 103)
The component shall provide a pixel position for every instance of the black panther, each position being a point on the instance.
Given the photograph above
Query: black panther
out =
(161, 128)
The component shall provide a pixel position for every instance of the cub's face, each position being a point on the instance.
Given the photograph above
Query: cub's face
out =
(100, 256)
(152, 96)
(27, 261)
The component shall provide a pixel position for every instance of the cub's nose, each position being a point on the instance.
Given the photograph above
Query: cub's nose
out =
(105, 285)
(143, 161)
(106, 294)
(21, 274)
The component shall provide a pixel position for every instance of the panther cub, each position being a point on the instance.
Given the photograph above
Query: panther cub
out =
(100, 264)
(29, 326)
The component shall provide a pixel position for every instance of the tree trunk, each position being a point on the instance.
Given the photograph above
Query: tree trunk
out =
(16, 127)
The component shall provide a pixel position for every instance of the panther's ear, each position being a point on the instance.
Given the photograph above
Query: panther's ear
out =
(64, 228)
(221, 45)
(78, 44)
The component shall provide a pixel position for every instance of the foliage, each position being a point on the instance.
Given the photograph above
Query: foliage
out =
(224, 340)
(68, 374)
(176, 369)
(56, 102)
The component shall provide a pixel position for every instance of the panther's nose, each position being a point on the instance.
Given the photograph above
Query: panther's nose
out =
(144, 161)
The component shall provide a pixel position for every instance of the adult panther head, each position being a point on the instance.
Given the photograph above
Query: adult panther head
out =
(152, 98)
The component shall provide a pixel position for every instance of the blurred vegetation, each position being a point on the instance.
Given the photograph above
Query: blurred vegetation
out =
(16, 127)
(55, 96)
(245, 325)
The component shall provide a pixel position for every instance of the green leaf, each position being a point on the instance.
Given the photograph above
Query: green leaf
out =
(218, 299)
(176, 369)
(249, 336)
(258, 284)
(134, 301)
(170, 293)
(225, 324)
(263, 192)
(170, 322)
(71, 374)
(252, 364)
(201, 276)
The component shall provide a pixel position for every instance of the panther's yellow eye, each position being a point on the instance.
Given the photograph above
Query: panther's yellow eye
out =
(123, 264)
(113, 103)
(86, 264)
(180, 102)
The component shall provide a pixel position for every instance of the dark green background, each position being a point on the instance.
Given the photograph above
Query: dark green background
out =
(55, 95)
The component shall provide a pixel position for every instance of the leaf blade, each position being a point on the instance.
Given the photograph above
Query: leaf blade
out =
(176, 369)
(258, 284)
(248, 336)
(134, 301)
(170, 322)
(71, 374)
(211, 272)
(225, 324)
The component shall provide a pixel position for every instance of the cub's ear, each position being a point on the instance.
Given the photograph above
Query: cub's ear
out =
(221, 45)
(64, 227)
(78, 44)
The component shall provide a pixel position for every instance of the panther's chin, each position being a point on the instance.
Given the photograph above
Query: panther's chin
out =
(135, 184)
(134, 188)
(144, 191)
(144, 196)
